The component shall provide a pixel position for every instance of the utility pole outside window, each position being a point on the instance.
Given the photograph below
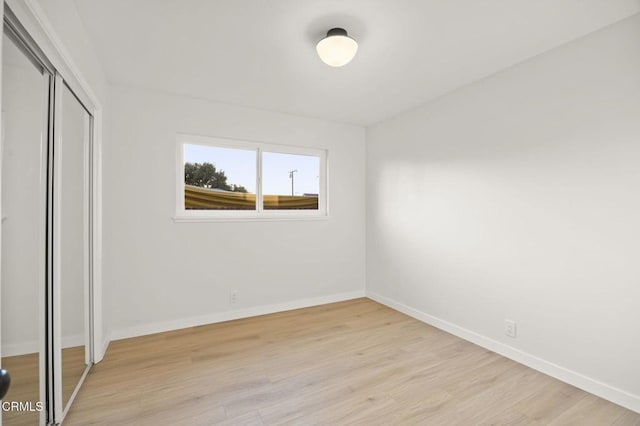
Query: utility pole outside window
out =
(291, 177)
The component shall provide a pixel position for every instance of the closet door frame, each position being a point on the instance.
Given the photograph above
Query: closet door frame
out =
(35, 33)
(34, 21)
(60, 407)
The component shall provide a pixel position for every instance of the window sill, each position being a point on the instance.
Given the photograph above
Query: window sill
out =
(265, 218)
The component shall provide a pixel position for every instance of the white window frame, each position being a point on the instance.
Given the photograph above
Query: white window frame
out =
(184, 215)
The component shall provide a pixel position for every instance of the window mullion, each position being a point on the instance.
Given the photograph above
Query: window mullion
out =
(259, 199)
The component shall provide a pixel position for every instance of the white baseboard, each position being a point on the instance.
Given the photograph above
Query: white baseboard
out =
(24, 348)
(21, 348)
(159, 327)
(99, 355)
(72, 341)
(603, 390)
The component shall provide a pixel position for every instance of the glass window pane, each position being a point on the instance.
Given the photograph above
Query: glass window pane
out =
(290, 181)
(218, 178)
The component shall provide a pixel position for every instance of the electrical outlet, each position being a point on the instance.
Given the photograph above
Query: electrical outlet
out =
(510, 328)
(233, 297)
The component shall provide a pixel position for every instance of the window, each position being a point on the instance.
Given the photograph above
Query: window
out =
(227, 179)
(290, 181)
(217, 178)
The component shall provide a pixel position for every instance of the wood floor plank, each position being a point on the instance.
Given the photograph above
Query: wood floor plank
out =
(594, 411)
(25, 383)
(354, 362)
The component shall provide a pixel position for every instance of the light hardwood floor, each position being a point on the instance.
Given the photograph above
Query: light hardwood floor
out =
(354, 362)
(25, 385)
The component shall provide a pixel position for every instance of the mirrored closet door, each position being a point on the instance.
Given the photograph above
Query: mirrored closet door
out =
(25, 109)
(71, 237)
(45, 276)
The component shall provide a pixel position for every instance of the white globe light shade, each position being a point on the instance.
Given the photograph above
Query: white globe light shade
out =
(337, 48)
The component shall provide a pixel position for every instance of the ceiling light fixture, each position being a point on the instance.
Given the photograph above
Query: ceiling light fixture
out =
(337, 48)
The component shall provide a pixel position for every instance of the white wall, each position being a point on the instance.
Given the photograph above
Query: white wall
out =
(518, 197)
(165, 275)
(69, 28)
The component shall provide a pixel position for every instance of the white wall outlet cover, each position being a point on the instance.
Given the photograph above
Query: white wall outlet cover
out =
(510, 328)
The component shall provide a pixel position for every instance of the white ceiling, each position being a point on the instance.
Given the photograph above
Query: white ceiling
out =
(261, 53)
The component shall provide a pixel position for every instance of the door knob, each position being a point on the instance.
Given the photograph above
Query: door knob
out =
(5, 382)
